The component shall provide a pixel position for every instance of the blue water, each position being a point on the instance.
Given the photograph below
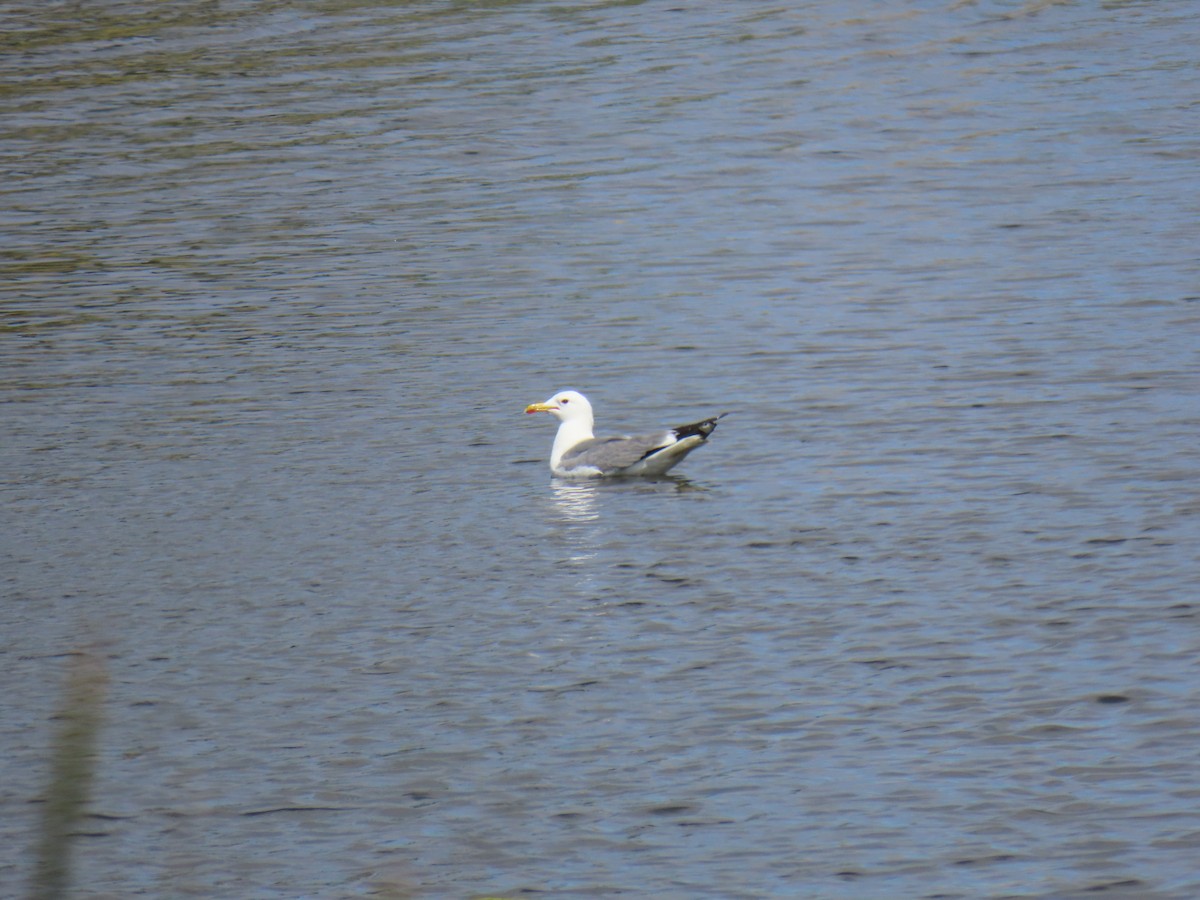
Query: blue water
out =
(919, 621)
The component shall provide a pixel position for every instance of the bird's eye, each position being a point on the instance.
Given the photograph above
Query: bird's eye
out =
(565, 400)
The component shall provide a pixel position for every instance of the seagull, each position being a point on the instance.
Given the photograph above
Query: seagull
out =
(577, 453)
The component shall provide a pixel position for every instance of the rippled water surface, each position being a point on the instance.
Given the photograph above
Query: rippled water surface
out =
(278, 280)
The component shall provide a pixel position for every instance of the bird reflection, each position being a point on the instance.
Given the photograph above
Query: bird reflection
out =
(580, 507)
(578, 501)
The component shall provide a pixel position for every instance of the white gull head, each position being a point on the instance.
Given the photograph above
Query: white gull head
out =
(574, 413)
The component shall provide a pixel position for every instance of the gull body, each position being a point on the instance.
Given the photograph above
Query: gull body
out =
(578, 453)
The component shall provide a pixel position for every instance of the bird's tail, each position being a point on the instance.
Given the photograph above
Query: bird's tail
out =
(700, 429)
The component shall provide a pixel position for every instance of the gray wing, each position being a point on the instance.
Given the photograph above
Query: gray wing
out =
(614, 453)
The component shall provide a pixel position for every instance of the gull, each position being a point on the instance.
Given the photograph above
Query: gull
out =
(577, 453)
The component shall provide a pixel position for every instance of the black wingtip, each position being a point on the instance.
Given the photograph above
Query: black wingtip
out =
(702, 428)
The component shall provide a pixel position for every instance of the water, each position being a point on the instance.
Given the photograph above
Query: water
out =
(279, 280)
